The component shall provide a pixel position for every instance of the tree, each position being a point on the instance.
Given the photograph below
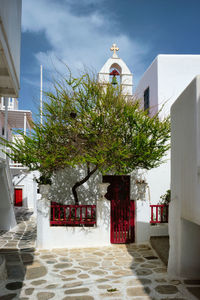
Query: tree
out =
(86, 123)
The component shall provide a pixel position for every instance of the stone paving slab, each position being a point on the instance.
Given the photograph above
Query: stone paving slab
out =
(117, 272)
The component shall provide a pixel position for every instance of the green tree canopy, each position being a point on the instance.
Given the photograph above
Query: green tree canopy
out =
(87, 123)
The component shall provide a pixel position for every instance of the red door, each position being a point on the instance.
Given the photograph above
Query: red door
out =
(18, 197)
(122, 209)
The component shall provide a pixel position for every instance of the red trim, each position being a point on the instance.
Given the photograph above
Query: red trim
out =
(159, 213)
(72, 215)
(114, 73)
(18, 199)
(122, 209)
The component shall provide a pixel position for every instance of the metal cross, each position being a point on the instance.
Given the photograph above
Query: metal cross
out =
(114, 48)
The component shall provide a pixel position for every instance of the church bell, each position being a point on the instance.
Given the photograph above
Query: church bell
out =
(114, 73)
(114, 80)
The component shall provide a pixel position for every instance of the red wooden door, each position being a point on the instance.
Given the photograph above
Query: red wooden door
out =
(122, 209)
(18, 197)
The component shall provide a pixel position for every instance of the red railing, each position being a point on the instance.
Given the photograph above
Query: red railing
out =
(72, 215)
(159, 213)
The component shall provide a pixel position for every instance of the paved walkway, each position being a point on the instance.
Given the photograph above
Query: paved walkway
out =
(118, 272)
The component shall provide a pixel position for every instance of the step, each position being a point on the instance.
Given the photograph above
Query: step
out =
(160, 229)
(161, 245)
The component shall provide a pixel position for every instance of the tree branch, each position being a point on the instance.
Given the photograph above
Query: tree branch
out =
(79, 183)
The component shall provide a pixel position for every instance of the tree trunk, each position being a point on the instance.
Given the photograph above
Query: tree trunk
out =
(79, 183)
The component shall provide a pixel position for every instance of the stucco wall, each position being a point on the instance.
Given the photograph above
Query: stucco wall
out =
(7, 217)
(175, 72)
(49, 237)
(184, 214)
(1, 124)
(186, 150)
(89, 193)
(167, 77)
(142, 224)
(10, 15)
(159, 180)
(25, 181)
(149, 79)
(63, 181)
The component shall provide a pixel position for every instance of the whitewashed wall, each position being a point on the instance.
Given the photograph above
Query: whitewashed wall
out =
(60, 192)
(1, 124)
(63, 181)
(10, 37)
(184, 214)
(159, 180)
(167, 77)
(49, 237)
(142, 224)
(149, 79)
(7, 217)
(175, 72)
(26, 181)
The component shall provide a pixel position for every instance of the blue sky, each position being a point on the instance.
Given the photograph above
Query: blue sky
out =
(80, 33)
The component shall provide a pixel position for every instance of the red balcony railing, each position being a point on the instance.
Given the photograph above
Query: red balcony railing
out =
(159, 213)
(72, 215)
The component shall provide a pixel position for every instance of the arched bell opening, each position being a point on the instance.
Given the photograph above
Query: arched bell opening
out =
(115, 74)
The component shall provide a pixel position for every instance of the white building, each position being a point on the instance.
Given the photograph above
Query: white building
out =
(10, 40)
(25, 188)
(184, 217)
(161, 84)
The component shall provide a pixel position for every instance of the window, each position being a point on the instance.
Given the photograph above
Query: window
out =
(146, 100)
(3, 131)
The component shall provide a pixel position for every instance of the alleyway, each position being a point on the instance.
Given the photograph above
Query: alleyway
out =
(118, 272)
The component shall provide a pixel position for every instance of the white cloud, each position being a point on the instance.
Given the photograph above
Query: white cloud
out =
(78, 41)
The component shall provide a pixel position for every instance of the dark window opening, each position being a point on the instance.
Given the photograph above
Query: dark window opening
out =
(3, 131)
(146, 100)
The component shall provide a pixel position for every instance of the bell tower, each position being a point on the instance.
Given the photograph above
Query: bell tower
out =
(116, 72)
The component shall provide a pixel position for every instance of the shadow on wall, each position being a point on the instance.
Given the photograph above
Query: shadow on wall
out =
(88, 193)
(138, 185)
(64, 180)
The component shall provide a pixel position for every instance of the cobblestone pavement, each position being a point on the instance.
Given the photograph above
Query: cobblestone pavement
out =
(118, 272)
(23, 235)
